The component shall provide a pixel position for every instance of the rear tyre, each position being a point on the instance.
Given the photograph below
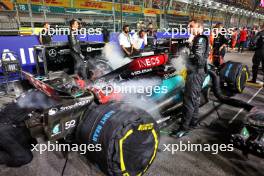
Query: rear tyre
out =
(235, 75)
(128, 137)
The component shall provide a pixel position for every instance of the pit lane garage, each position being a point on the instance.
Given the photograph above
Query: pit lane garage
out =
(218, 131)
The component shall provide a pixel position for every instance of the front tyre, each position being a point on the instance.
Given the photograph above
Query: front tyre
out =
(128, 137)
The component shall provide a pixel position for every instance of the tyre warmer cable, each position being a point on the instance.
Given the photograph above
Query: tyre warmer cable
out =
(65, 164)
(225, 99)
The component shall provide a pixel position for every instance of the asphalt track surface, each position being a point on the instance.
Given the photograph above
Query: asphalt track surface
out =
(215, 128)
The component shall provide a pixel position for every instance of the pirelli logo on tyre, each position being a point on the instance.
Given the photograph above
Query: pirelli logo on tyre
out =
(146, 127)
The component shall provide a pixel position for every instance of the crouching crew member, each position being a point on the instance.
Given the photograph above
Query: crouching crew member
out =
(196, 68)
(15, 138)
(79, 65)
(259, 54)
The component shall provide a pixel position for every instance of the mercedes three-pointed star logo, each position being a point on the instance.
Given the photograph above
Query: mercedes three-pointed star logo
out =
(52, 53)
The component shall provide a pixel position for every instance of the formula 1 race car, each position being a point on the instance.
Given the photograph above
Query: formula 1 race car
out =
(70, 114)
(64, 109)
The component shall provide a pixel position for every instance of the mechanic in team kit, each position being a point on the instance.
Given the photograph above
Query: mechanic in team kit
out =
(196, 69)
(125, 41)
(76, 52)
(220, 43)
(259, 54)
(45, 36)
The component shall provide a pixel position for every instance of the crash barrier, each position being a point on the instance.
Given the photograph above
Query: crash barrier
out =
(129, 138)
(235, 74)
(251, 136)
(23, 45)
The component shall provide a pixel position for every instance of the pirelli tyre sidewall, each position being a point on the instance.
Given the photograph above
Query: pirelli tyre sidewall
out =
(129, 138)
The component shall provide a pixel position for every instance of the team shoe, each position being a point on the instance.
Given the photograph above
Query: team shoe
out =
(252, 81)
(178, 133)
(255, 83)
(181, 134)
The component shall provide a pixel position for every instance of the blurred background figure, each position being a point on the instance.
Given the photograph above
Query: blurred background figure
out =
(139, 41)
(258, 57)
(151, 35)
(242, 40)
(234, 38)
(125, 41)
(220, 44)
(45, 37)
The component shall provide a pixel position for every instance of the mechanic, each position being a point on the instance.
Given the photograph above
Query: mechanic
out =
(45, 38)
(15, 143)
(220, 43)
(79, 65)
(139, 41)
(125, 41)
(259, 54)
(196, 69)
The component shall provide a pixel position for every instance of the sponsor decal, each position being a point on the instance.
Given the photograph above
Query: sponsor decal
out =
(93, 5)
(8, 55)
(147, 62)
(90, 49)
(152, 11)
(76, 105)
(53, 111)
(56, 130)
(141, 72)
(100, 125)
(60, 3)
(52, 53)
(70, 124)
(167, 76)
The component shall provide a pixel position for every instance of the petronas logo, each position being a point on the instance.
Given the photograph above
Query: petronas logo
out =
(245, 132)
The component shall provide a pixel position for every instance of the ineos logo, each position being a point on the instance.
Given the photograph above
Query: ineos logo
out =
(52, 53)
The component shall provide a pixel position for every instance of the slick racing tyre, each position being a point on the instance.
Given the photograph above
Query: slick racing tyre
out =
(128, 137)
(235, 75)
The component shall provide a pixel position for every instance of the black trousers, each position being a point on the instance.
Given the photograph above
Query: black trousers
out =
(258, 58)
(79, 65)
(191, 100)
(241, 45)
(15, 149)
